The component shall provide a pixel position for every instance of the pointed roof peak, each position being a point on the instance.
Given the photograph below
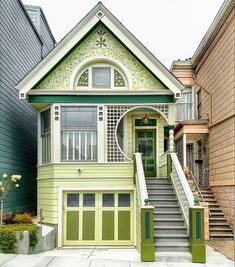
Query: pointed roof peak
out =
(97, 14)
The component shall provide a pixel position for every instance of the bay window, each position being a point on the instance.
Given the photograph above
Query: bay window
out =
(79, 133)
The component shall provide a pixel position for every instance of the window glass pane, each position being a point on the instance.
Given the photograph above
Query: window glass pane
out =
(108, 200)
(118, 79)
(46, 121)
(64, 146)
(79, 126)
(82, 118)
(70, 146)
(83, 80)
(124, 200)
(72, 200)
(88, 200)
(101, 77)
(88, 145)
(83, 146)
(77, 146)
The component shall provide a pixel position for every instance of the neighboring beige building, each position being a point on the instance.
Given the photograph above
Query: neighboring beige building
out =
(207, 120)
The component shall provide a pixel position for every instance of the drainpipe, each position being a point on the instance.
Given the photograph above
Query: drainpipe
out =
(209, 93)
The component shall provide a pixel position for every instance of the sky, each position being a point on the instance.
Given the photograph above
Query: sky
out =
(170, 29)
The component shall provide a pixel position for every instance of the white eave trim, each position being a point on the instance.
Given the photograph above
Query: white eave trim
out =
(98, 92)
(79, 31)
(214, 27)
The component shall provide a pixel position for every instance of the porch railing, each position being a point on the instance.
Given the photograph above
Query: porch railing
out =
(193, 215)
(182, 188)
(144, 213)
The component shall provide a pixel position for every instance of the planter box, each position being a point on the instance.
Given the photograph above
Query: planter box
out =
(46, 241)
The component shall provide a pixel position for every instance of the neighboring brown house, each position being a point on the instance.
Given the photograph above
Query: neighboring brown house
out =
(205, 134)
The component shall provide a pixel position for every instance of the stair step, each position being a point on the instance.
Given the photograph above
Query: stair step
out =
(212, 224)
(167, 208)
(216, 209)
(217, 213)
(168, 221)
(221, 235)
(162, 201)
(210, 200)
(168, 196)
(217, 219)
(167, 213)
(220, 229)
(152, 191)
(171, 236)
(170, 246)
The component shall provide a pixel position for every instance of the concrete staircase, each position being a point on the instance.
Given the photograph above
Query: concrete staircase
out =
(169, 229)
(219, 227)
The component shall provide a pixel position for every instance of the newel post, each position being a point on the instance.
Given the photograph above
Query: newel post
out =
(171, 150)
(147, 234)
(197, 245)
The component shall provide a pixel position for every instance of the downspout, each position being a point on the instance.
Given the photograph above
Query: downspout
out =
(210, 96)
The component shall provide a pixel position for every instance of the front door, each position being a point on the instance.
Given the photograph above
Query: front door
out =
(146, 144)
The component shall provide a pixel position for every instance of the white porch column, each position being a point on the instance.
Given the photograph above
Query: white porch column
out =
(184, 150)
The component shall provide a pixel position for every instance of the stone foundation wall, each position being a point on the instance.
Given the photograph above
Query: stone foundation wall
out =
(225, 197)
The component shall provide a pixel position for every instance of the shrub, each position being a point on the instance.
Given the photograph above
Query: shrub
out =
(8, 237)
(23, 218)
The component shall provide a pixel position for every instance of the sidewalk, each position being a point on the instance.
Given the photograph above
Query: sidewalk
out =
(102, 257)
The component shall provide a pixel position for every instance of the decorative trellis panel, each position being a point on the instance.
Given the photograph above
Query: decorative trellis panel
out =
(113, 115)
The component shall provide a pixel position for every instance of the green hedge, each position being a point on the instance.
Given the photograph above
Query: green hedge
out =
(8, 236)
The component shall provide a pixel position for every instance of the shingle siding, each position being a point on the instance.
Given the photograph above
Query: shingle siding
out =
(20, 50)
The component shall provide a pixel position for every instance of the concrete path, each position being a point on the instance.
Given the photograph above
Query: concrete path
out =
(102, 257)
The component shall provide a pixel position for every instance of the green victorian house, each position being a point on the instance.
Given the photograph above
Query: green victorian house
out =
(101, 96)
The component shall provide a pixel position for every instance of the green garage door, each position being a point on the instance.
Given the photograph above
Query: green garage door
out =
(98, 218)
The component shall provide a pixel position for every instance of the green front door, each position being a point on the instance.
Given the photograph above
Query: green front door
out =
(146, 144)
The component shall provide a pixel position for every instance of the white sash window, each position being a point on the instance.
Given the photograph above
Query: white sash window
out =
(185, 105)
(79, 134)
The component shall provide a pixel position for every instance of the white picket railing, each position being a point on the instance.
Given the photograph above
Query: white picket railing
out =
(183, 191)
(140, 180)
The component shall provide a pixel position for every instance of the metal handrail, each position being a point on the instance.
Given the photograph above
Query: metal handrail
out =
(198, 189)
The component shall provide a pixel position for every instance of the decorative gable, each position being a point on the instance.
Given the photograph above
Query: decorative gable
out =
(101, 46)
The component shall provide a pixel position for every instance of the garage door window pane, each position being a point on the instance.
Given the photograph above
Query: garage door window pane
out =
(88, 200)
(123, 200)
(72, 200)
(108, 200)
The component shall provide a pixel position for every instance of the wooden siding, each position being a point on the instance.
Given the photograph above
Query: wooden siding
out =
(222, 153)
(216, 73)
(20, 49)
(42, 27)
(52, 176)
(179, 150)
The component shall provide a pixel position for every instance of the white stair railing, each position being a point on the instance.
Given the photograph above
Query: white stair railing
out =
(140, 181)
(183, 191)
(180, 183)
(144, 219)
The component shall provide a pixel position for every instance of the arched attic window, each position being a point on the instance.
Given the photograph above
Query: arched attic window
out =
(101, 76)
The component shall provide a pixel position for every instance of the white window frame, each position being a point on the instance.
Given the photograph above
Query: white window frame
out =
(188, 89)
(90, 78)
(78, 132)
(41, 136)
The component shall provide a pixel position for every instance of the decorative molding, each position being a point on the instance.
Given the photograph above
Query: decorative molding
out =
(101, 43)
